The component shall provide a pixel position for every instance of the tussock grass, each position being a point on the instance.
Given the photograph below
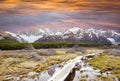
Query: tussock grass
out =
(16, 66)
(107, 63)
(108, 78)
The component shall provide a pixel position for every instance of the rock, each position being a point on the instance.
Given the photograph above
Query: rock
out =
(0, 51)
(84, 58)
(77, 48)
(108, 72)
(90, 55)
(31, 74)
(17, 79)
(97, 71)
(79, 53)
(71, 51)
(77, 66)
(104, 74)
(49, 52)
(115, 52)
(35, 56)
(9, 78)
(93, 55)
(52, 70)
(30, 47)
(17, 55)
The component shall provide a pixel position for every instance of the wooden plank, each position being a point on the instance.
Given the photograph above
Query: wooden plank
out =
(64, 72)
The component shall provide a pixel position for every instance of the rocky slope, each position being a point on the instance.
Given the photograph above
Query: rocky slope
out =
(81, 35)
(74, 34)
(6, 36)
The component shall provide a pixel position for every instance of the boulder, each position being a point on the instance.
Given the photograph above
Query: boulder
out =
(29, 47)
(35, 56)
(115, 52)
(71, 51)
(48, 52)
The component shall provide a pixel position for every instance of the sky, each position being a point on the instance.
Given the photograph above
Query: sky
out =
(30, 15)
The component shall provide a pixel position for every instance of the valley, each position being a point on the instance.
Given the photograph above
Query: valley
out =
(27, 65)
(59, 40)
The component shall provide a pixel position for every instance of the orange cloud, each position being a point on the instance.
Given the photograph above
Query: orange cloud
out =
(35, 6)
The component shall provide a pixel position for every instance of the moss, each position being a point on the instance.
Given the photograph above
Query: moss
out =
(84, 78)
(107, 63)
(108, 78)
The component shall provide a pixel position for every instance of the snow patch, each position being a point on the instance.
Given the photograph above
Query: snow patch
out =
(112, 41)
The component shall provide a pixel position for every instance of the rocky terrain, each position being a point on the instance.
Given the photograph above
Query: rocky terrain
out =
(74, 34)
(43, 64)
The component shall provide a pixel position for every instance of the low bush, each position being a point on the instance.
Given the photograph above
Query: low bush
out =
(12, 46)
(52, 44)
(48, 52)
(38, 45)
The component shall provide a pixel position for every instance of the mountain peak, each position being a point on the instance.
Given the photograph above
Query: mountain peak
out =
(74, 30)
(74, 34)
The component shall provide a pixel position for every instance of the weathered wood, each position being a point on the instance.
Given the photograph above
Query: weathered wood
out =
(64, 72)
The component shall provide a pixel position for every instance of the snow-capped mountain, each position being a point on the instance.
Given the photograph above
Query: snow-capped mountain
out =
(93, 35)
(30, 37)
(74, 34)
(9, 36)
(26, 37)
(15, 36)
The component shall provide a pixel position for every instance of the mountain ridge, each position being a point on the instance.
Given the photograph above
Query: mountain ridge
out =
(74, 34)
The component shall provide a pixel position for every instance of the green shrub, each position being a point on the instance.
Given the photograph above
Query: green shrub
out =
(6, 40)
(37, 45)
(12, 46)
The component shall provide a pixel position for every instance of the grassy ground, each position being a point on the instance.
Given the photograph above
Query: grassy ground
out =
(94, 50)
(13, 65)
(18, 63)
(107, 63)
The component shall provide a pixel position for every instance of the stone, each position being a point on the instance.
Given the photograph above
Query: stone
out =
(48, 52)
(71, 51)
(30, 74)
(35, 56)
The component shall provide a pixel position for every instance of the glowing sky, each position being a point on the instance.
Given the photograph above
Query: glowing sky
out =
(34, 6)
(23, 15)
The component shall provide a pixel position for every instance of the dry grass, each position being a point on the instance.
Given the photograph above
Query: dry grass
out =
(108, 78)
(16, 63)
(107, 63)
(95, 50)
(15, 66)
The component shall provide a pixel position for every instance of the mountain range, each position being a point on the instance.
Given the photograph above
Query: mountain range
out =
(74, 34)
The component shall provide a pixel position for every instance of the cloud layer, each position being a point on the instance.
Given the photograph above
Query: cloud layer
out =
(23, 15)
(37, 6)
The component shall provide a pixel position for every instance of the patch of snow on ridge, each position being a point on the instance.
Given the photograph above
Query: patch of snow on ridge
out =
(73, 34)
(74, 30)
(112, 41)
(30, 38)
(41, 31)
(14, 35)
(58, 33)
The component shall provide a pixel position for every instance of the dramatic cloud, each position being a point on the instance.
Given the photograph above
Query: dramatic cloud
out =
(36, 6)
(23, 15)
